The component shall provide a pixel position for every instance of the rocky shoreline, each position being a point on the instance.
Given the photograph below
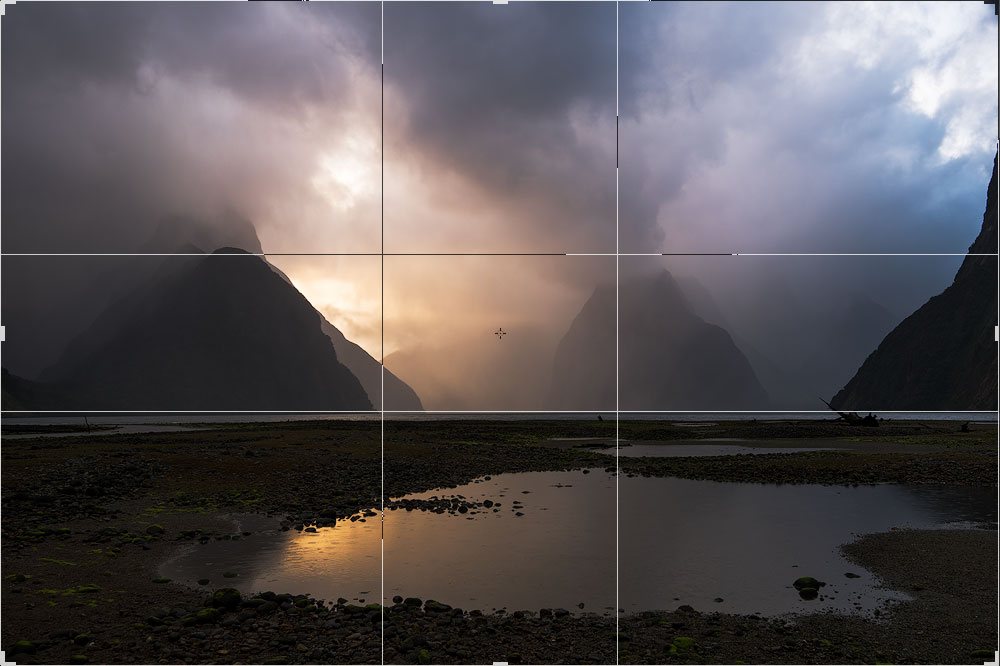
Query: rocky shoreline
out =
(87, 521)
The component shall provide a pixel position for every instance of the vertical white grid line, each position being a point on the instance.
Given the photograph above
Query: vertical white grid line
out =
(381, 540)
(618, 475)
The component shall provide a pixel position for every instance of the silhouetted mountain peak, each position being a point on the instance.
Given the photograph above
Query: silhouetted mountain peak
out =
(668, 358)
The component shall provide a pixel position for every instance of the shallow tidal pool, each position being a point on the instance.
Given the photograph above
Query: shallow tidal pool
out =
(729, 547)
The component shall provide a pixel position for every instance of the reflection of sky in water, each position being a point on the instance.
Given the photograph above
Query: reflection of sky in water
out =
(698, 450)
(681, 542)
(746, 543)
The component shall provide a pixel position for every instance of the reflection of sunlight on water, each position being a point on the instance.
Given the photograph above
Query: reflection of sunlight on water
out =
(339, 561)
(346, 558)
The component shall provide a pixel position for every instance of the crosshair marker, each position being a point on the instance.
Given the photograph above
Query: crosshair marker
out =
(500, 333)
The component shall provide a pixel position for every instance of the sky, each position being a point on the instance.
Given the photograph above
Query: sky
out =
(744, 127)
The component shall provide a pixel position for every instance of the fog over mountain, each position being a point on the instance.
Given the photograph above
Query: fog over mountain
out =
(141, 128)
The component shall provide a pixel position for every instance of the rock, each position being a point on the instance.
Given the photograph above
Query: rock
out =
(808, 593)
(155, 530)
(718, 600)
(432, 606)
(83, 639)
(545, 612)
(79, 659)
(23, 647)
(397, 599)
(807, 582)
(226, 597)
(203, 581)
(161, 581)
(413, 601)
(204, 616)
(851, 575)
(230, 574)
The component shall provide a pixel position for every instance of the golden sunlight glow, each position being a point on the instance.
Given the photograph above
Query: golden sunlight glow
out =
(349, 172)
(346, 290)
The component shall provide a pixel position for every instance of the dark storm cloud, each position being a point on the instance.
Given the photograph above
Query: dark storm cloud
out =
(284, 55)
(520, 99)
(119, 119)
(115, 114)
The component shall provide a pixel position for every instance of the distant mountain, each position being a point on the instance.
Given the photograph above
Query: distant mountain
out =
(846, 338)
(203, 333)
(669, 357)
(364, 366)
(21, 394)
(776, 378)
(398, 394)
(944, 355)
(477, 371)
(799, 349)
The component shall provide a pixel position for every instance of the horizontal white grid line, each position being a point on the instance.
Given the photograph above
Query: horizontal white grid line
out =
(501, 411)
(499, 254)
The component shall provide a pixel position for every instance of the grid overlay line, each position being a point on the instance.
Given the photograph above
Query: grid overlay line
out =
(265, 255)
(618, 475)
(381, 360)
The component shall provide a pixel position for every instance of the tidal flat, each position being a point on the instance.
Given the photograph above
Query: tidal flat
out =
(92, 525)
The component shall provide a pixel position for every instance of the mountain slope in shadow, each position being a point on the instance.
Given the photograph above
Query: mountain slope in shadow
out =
(398, 394)
(944, 355)
(207, 333)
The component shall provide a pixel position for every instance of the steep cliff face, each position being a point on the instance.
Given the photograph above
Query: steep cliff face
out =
(944, 355)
